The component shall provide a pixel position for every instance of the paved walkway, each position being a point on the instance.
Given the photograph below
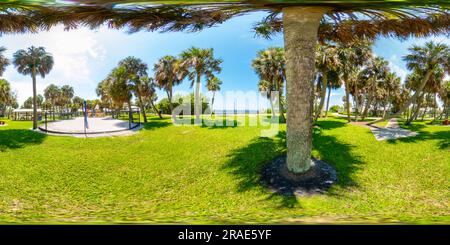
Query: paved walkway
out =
(97, 127)
(391, 131)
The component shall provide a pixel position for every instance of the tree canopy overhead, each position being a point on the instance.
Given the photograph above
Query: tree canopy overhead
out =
(344, 21)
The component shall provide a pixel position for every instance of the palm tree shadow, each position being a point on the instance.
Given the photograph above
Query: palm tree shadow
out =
(19, 138)
(247, 163)
(327, 125)
(339, 155)
(221, 123)
(156, 123)
(443, 137)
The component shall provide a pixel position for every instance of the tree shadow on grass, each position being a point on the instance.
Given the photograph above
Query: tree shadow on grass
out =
(246, 163)
(339, 155)
(231, 123)
(221, 123)
(443, 137)
(19, 138)
(330, 124)
(155, 123)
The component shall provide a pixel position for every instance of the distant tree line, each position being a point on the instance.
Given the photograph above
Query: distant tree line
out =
(371, 88)
(131, 79)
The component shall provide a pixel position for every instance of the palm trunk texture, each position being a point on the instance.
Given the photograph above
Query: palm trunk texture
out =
(300, 26)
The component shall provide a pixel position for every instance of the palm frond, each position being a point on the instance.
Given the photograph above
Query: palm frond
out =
(344, 22)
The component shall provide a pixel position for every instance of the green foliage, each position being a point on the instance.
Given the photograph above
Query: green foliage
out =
(4, 62)
(119, 89)
(184, 101)
(164, 106)
(33, 60)
(28, 103)
(5, 92)
(335, 108)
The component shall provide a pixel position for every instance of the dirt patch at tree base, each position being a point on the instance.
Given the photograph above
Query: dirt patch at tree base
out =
(316, 180)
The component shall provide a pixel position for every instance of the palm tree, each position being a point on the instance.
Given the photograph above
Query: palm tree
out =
(169, 72)
(423, 60)
(444, 94)
(265, 87)
(391, 85)
(6, 95)
(4, 62)
(77, 103)
(333, 83)
(28, 103)
(432, 86)
(33, 61)
(52, 93)
(199, 62)
(373, 74)
(213, 85)
(270, 66)
(327, 62)
(136, 69)
(67, 94)
(120, 90)
(5, 91)
(102, 91)
(149, 93)
(303, 24)
(352, 57)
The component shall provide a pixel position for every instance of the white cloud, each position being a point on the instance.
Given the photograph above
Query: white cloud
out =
(73, 52)
(401, 72)
(333, 94)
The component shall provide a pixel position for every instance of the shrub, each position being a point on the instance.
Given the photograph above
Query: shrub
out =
(334, 108)
(181, 100)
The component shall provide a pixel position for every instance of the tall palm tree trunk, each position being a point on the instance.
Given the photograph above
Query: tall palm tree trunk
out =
(271, 107)
(328, 101)
(416, 111)
(366, 107)
(155, 109)
(282, 117)
(33, 75)
(384, 110)
(409, 101)
(347, 100)
(169, 97)
(130, 114)
(142, 108)
(424, 112)
(447, 112)
(435, 107)
(322, 96)
(300, 26)
(356, 101)
(53, 112)
(212, 102)
(415, 114)
(197, 103)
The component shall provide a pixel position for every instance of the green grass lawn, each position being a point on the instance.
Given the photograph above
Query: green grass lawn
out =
(193, 174)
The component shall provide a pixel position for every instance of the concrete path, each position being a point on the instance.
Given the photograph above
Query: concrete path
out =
(391, 131)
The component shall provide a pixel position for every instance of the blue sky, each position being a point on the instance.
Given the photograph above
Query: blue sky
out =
(84, 57)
